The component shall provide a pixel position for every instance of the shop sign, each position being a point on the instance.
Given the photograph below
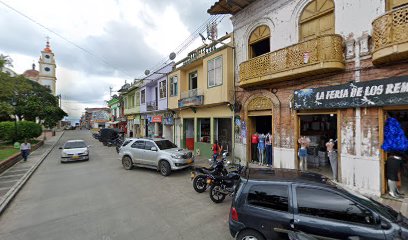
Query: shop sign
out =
(191, 101)
(157, 119)
(130, 117)
(384, 92)
(149, 119)
(168, 121)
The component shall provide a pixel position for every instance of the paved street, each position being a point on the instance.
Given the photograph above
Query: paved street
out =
(100, 200)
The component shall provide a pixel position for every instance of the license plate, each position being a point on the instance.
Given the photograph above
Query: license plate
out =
(189, 160)
(75, 157)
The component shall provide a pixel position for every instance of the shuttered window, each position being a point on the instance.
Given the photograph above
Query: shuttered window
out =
(317, 19)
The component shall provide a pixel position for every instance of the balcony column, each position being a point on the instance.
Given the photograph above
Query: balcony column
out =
(212, 130)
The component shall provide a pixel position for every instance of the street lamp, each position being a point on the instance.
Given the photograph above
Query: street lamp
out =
(14, 103)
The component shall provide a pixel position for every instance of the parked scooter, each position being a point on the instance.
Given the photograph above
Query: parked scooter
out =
(199, 174)
(221, 186)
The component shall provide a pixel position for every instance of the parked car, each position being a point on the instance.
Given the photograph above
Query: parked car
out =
(269, 202)
(160, 154)
(74, 150)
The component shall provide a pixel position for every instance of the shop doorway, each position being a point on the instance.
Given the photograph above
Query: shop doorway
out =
(260, 125)
(188, 139)
(402, 117)
(319, 129)
(223, 132)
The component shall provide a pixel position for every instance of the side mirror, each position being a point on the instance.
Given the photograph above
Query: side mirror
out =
(153, 149)
(60, 147)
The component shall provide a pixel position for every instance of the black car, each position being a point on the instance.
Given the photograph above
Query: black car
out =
(108, 134)
(269, 202)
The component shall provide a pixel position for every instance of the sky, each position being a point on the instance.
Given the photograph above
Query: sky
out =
(104, 42)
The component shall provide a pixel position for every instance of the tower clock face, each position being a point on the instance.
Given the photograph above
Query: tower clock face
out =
(47, 56)
(47, 69)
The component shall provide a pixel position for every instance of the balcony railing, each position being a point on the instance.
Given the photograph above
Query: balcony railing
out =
(204, 51)
(318, 55)
(390, 36)
(151, 106)
(191, 93)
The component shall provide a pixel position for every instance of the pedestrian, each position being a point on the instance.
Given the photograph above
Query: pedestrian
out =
(254, 146)
(332, 154)
(261, 149)
(304, 144)
(25, 149)
(216, 150)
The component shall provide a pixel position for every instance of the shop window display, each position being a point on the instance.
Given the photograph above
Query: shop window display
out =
(204, 130)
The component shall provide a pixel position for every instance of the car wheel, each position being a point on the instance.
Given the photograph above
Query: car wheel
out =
(215, 194)
(250, 235)
(127, 163)
(200, 183)
(165, 169)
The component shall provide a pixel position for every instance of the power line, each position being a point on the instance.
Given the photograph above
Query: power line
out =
(67, 40)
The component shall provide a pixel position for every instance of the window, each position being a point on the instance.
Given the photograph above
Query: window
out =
(165, 144)
(149, 145)
(125, 101)
(173, 86)
(138, 144)
(192, 84)
(137, 96)
(143, 96)
(162, 89)
(269, 196)
(316, 19)
(132, 101)
(325, 204)
(215, 72)
(391, 4)
(204, 130)
(259, 41)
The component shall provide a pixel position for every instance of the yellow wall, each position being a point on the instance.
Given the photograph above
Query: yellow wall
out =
(212, 95)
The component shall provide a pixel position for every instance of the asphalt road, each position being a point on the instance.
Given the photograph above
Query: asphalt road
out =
(100, 200)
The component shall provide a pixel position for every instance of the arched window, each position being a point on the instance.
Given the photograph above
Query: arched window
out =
(316, 19)
(391, 4)
(259, 41)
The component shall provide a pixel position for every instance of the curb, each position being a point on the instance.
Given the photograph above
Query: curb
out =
(16, 188)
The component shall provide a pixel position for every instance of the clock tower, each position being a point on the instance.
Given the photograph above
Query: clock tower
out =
(47, 65)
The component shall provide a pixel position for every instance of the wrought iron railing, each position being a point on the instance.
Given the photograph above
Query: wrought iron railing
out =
(321, 49)
(151, 106)
(390, 28)
(191, 93)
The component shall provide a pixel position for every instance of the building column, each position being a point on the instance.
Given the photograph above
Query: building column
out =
(212, 130)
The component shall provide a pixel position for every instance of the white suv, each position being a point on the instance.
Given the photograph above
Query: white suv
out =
(159, 154)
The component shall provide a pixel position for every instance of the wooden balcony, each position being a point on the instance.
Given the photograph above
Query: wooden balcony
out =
(319, 55)
(390, 36)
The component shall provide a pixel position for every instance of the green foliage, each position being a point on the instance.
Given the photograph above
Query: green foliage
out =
(25, 129)
(32, 101)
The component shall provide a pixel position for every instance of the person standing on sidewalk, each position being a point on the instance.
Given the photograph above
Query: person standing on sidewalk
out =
(25, 149)
(216, 150)
(331, 152)
(254, 147)
(268, 144)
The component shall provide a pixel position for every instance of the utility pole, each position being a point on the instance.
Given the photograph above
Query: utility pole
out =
(110, 91)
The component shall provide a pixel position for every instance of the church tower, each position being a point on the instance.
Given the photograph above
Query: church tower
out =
(47, 76)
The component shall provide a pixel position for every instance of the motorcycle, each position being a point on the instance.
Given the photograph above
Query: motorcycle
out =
(221, 186)
(199, 174)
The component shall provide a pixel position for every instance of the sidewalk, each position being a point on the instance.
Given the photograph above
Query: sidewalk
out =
(13, 179)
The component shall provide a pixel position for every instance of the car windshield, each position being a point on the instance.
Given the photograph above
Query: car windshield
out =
(70, 145)
(165, 144)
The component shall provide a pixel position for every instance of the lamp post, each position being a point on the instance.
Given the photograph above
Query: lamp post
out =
(14, 103)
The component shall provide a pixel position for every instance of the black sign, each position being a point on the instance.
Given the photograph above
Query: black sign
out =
(389, 91)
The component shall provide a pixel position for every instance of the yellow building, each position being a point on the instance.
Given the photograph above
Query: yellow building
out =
(201, 95)
(131, 101)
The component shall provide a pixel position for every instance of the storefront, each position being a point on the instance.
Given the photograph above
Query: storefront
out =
(136, 126)
(130, 122)
(200, 127)
(168, 124)
(158, 126)
(356, 115)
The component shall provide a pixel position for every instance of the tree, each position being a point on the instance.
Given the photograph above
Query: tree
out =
(32, 101)
(5, 61)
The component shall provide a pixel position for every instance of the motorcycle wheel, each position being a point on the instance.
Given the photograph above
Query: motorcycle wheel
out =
(200, 184)
(215, 194)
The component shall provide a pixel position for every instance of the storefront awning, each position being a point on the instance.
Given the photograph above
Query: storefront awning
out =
(115, 122)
